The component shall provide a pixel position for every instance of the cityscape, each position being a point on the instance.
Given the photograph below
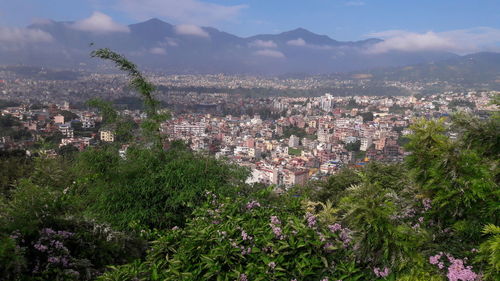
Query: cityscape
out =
(193, 140)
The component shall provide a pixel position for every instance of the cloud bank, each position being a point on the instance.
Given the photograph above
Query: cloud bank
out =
(263, 44)
(182, 11)
(99, 23)
(191, 29)
(270, 53)
(299, 42)
(23, 35)
(460, 41)
(158, 51)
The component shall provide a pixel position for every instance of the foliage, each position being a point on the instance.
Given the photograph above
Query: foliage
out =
(292, 130)
(294, 151)
(14, 166)
(145, 89)
(353, 146)
(367, 116)
(257, 239)
(44, 239)
(490, 251)
(380, 237)
(121, 126)
(154, 189)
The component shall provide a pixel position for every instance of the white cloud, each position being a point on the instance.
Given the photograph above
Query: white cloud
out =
(182, 11)
(191, 29)
(23, 35)
(263, 44)
(171, 42)
(355, 3)
(158, 51)
(460, 41)
(297, 42)
(270, 53)
(99, 23)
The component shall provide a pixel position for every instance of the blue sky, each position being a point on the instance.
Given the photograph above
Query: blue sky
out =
(340, 19)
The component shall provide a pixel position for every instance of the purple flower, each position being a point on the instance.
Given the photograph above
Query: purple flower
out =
(328, 247)
(243, 277)
(427, 204)
(275, 220)
(345, 236)
(175, 228)
(272, 265)
(335, 227)
(53, 260)
(59, 245)
(457, 271)
(380, 273)
(65, 234)
(252, 204)
(40, 247)
(245, 236)
(247, 251)
(311, 219)
(434, 259)
(277, 231)
(421, 219)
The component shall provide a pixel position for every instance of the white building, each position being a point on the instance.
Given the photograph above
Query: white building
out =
(365, 144)
(190, 129)
(293, 141)
(66, 130)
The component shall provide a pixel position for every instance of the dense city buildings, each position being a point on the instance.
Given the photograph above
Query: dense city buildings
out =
(283, 140)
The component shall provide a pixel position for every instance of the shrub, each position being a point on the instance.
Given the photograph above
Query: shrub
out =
(238, 239)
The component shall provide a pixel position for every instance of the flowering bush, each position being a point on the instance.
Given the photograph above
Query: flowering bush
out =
(275, 241)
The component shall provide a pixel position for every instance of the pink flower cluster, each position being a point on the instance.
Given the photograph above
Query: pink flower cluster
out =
(243, 277)
(275, 220)
(457, 271)
(311, 219)
(272, 265)
(436, 260)
(335, 227)
(252, 204)
(276, 229)
(245, 236)
(380, 273)
(427, 204)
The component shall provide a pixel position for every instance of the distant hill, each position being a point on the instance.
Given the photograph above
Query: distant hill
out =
(158, 45)
(468, 70)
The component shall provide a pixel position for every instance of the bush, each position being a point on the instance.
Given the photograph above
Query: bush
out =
(150, 188)
(254, 239)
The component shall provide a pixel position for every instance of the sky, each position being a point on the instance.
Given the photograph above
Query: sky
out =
(458, 25)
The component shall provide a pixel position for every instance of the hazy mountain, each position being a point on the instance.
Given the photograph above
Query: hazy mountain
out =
(158, 45)
(468, 70)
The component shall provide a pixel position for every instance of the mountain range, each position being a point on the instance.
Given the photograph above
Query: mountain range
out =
(157, 45)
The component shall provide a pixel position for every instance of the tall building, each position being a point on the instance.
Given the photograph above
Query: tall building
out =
(294, 141)
(327, 102)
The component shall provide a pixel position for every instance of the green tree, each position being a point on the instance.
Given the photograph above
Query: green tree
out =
(153, 189)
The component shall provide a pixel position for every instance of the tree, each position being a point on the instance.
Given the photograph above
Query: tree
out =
(146, 90)
(153, 189)
(367, 116)
(353, 146)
